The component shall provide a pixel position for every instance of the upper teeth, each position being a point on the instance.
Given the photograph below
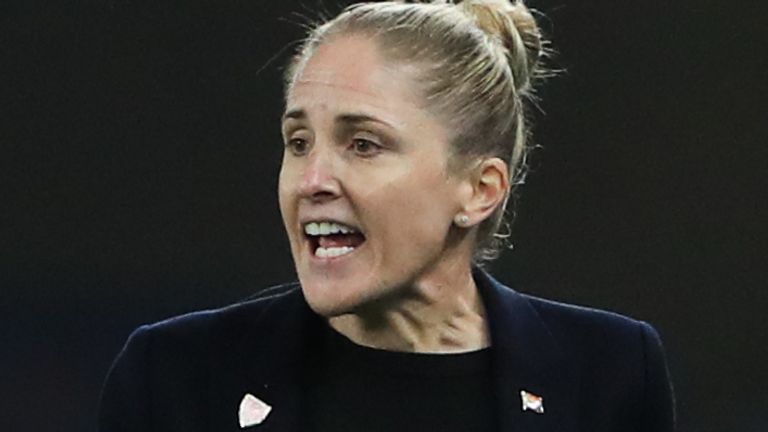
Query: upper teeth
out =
(326, 228)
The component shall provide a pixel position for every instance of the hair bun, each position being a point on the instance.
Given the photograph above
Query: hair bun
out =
(513, 25)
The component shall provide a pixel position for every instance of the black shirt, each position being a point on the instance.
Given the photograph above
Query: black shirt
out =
(356, 388)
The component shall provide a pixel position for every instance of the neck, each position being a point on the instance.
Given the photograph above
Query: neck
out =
(440, 313)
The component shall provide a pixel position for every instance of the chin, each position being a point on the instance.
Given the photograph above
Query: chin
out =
(327, 298)
(332, 297)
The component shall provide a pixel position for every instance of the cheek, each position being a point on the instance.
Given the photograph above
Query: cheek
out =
(414, 214)
(285, 194)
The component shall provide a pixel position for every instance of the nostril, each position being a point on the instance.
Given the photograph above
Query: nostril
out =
(322, 196)
(319, 189)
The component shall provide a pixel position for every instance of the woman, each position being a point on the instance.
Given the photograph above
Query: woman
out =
(404, 130)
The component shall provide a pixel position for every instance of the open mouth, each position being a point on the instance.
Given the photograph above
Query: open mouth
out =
(328, 239)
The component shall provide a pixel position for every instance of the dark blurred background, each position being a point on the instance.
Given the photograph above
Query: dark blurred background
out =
(140, 148)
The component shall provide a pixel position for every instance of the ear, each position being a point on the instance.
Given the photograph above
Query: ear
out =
(490, 185)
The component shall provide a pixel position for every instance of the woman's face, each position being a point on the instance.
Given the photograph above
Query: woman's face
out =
(364, 190)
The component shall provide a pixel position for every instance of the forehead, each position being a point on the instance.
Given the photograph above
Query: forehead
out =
(350, 70)
(352, 61)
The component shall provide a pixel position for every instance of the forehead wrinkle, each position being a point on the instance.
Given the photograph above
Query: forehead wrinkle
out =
(342, 119)
(333, 83)
(354, 115)
(357, 100)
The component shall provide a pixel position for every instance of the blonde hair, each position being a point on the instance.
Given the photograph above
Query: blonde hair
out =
(476, 63)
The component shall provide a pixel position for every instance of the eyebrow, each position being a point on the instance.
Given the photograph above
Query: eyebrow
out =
(296, 114)
(351, 118)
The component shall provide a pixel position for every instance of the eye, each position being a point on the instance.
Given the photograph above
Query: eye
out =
(297, 146)
(364, 147)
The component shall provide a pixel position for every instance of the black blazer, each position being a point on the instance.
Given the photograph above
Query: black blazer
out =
(597, 371)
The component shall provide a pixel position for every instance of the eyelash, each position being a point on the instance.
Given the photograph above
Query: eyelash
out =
(298, 147)
(376, 148)
(292, 144)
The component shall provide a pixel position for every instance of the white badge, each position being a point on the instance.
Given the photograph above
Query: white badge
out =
(253, 411)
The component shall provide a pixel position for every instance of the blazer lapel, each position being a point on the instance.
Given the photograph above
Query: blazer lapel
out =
(270, 362)
(526, 357)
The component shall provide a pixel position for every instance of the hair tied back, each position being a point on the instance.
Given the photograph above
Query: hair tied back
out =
(514, 27)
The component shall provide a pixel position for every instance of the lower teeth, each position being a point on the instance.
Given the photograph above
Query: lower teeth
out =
(332, 252)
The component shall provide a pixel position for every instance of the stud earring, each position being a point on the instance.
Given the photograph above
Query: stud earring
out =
(462, 220)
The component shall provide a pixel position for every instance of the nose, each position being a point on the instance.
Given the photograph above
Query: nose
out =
(318, 178)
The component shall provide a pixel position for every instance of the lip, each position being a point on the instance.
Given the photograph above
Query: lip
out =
(329, 260)
(310, 244)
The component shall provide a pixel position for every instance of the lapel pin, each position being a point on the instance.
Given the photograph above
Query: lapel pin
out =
(253, 411)
(532, 402)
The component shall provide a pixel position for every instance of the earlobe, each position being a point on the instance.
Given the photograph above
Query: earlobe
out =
(461, 220)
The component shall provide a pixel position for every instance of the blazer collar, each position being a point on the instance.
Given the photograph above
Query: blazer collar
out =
(271, 356)
(525, 356)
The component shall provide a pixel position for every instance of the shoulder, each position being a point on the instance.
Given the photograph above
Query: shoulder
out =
(616, 354)
(599, 340)
(571, 326)
(196, 336)
(588, 325)
(195, 330)
(178, 356)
